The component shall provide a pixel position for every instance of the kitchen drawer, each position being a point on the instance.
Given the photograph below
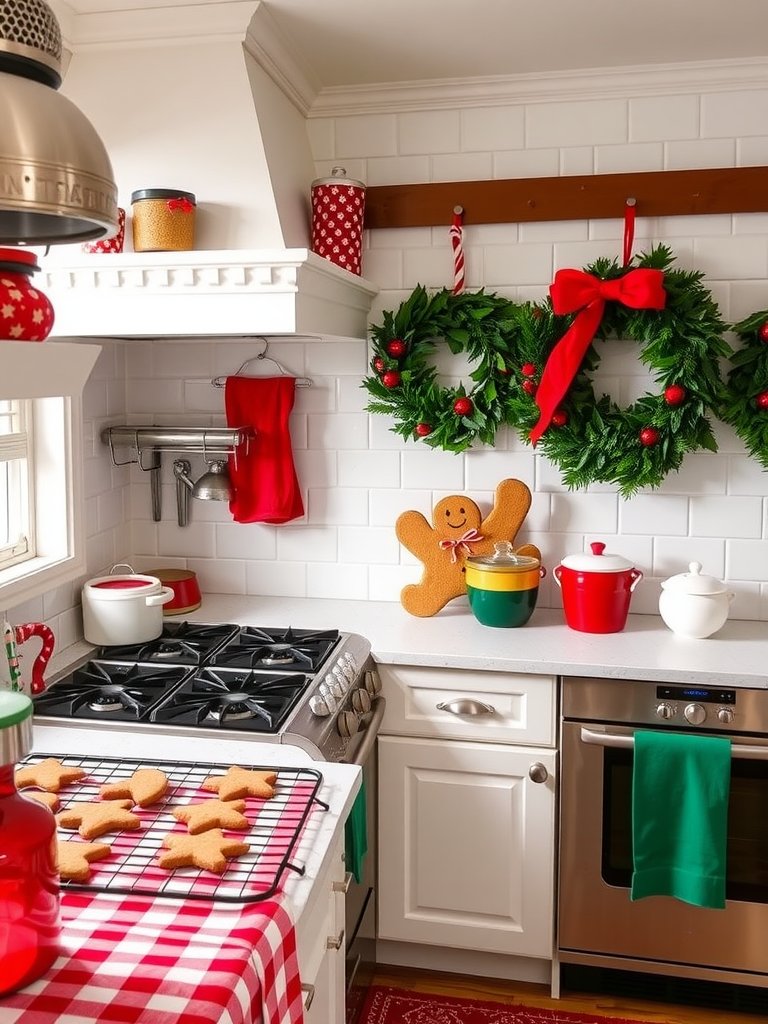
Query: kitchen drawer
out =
(523, 706)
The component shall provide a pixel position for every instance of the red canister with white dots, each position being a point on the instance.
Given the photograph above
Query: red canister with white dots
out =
(338, 207)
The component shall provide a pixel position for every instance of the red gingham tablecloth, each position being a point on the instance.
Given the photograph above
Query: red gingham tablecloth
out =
(143, 961)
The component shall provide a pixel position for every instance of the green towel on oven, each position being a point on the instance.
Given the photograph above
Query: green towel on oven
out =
(680, 787)
(356, 835)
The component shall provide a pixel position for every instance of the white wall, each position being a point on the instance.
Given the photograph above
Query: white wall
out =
(355, 474)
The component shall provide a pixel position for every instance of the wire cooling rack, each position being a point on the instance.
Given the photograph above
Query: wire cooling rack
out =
(275, 826)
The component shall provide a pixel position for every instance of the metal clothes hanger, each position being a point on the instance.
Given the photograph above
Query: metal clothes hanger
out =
(301, 382)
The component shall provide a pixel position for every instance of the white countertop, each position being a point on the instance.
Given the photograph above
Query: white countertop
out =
(453, 638)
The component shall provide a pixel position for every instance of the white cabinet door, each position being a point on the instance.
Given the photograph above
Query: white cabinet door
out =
(466, 841)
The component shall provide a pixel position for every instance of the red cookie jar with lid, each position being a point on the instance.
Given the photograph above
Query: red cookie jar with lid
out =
(26, 313)
(29, 878)
(596, 589)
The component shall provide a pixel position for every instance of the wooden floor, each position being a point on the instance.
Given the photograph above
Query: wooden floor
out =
(538, 995)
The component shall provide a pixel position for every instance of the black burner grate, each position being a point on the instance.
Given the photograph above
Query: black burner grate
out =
(131, 869)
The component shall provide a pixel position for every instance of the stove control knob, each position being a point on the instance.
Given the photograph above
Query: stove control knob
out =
(372, 683)
(335, 685)
(348, 723)
(349, 667)
(326, 694)
(361, 701)
(319, 706)
(695, 714)
(725, 715)
(665, 711)
(341, 678)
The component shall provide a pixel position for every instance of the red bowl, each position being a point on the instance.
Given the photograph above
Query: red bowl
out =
(186, 590)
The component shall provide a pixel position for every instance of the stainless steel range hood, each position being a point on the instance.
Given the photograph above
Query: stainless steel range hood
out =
(206, 98)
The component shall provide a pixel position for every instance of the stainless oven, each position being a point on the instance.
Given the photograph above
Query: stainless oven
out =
(598, 924)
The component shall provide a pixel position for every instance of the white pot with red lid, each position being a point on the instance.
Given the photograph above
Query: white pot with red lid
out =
(596, 589)
(123, 609)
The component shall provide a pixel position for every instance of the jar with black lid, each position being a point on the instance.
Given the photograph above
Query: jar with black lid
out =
(163, 220)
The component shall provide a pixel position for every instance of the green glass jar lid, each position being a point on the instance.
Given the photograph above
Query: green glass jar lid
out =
(504, 559)
(14, 708)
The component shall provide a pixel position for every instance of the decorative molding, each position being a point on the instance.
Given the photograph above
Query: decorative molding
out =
(207, 294)
(273, 53)
(545, 87)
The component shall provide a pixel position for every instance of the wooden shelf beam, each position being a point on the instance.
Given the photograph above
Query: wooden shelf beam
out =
(581, 197)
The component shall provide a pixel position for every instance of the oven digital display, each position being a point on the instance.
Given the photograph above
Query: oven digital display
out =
(705, 695)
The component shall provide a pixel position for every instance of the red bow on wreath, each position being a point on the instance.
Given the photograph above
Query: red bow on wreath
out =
(574, 291)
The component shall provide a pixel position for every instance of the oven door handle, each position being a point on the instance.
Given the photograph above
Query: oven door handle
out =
(360, 753)
(610, 739)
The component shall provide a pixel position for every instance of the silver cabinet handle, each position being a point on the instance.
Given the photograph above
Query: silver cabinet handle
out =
(608, 739)
(335, 943)
(538, 772)
(466, 706)
(310, 990)
(343, 886)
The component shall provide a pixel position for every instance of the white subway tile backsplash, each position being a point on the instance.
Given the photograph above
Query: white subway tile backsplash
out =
(681, 156)
(339, 506)
(492, 128)
(728, 516)
(366, 136)
(462, 167)
(594, 512)
(433, 468)
(578, 123)
(345, 582)
(674, 554)
(654, 514)
(368, 545)
(663, 118)
(428, 132)
(356, 475)
(369, 469)
(307, 543)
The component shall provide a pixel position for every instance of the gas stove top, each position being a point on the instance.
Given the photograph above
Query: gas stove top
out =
(306, 687)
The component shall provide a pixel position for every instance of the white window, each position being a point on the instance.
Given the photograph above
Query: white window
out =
(42, 543)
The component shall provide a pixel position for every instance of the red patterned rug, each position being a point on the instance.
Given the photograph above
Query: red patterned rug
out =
(398, 1006)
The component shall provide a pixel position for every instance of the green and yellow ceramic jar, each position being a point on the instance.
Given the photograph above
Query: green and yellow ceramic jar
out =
(503, 587)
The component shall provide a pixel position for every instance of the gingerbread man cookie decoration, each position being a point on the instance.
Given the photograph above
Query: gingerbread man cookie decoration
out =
(457, 530)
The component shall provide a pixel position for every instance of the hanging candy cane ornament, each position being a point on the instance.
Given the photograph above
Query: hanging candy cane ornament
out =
(456, 234)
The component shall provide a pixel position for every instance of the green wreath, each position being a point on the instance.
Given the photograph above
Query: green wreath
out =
(404, 385)
(745, 406)
(591, 439)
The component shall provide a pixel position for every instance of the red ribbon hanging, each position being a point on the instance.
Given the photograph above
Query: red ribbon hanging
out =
(574, 291)
(182, 204)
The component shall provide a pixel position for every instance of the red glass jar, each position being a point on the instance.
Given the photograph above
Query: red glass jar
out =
(29, 878)
(26, 314)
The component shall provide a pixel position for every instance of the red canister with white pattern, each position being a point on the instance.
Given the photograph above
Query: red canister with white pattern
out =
(338, 207)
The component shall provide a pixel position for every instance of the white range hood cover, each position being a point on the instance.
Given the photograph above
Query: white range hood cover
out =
(188, 294)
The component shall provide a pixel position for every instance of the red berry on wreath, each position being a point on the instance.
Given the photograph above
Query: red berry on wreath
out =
(762, 400)
(423, 429)
(763, 332)
(675, 394)
(396, 348)
(559, 418)
(379, 364)
(649, 436)
(528, 370)
(529, 387)
(391, 379)
(463, 406)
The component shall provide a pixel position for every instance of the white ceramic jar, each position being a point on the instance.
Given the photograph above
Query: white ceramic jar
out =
(694, 604)
(125, 609)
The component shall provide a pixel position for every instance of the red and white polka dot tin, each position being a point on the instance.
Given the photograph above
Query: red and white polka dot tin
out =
(338, 208)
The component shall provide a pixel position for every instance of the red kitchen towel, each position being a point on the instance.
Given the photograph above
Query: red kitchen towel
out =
(264, 479)
(137, 961)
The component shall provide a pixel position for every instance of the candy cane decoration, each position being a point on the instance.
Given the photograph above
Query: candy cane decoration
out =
(46, 635)
(456, 235)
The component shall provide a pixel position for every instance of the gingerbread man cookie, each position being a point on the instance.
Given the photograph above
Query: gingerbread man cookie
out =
(458, 529)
